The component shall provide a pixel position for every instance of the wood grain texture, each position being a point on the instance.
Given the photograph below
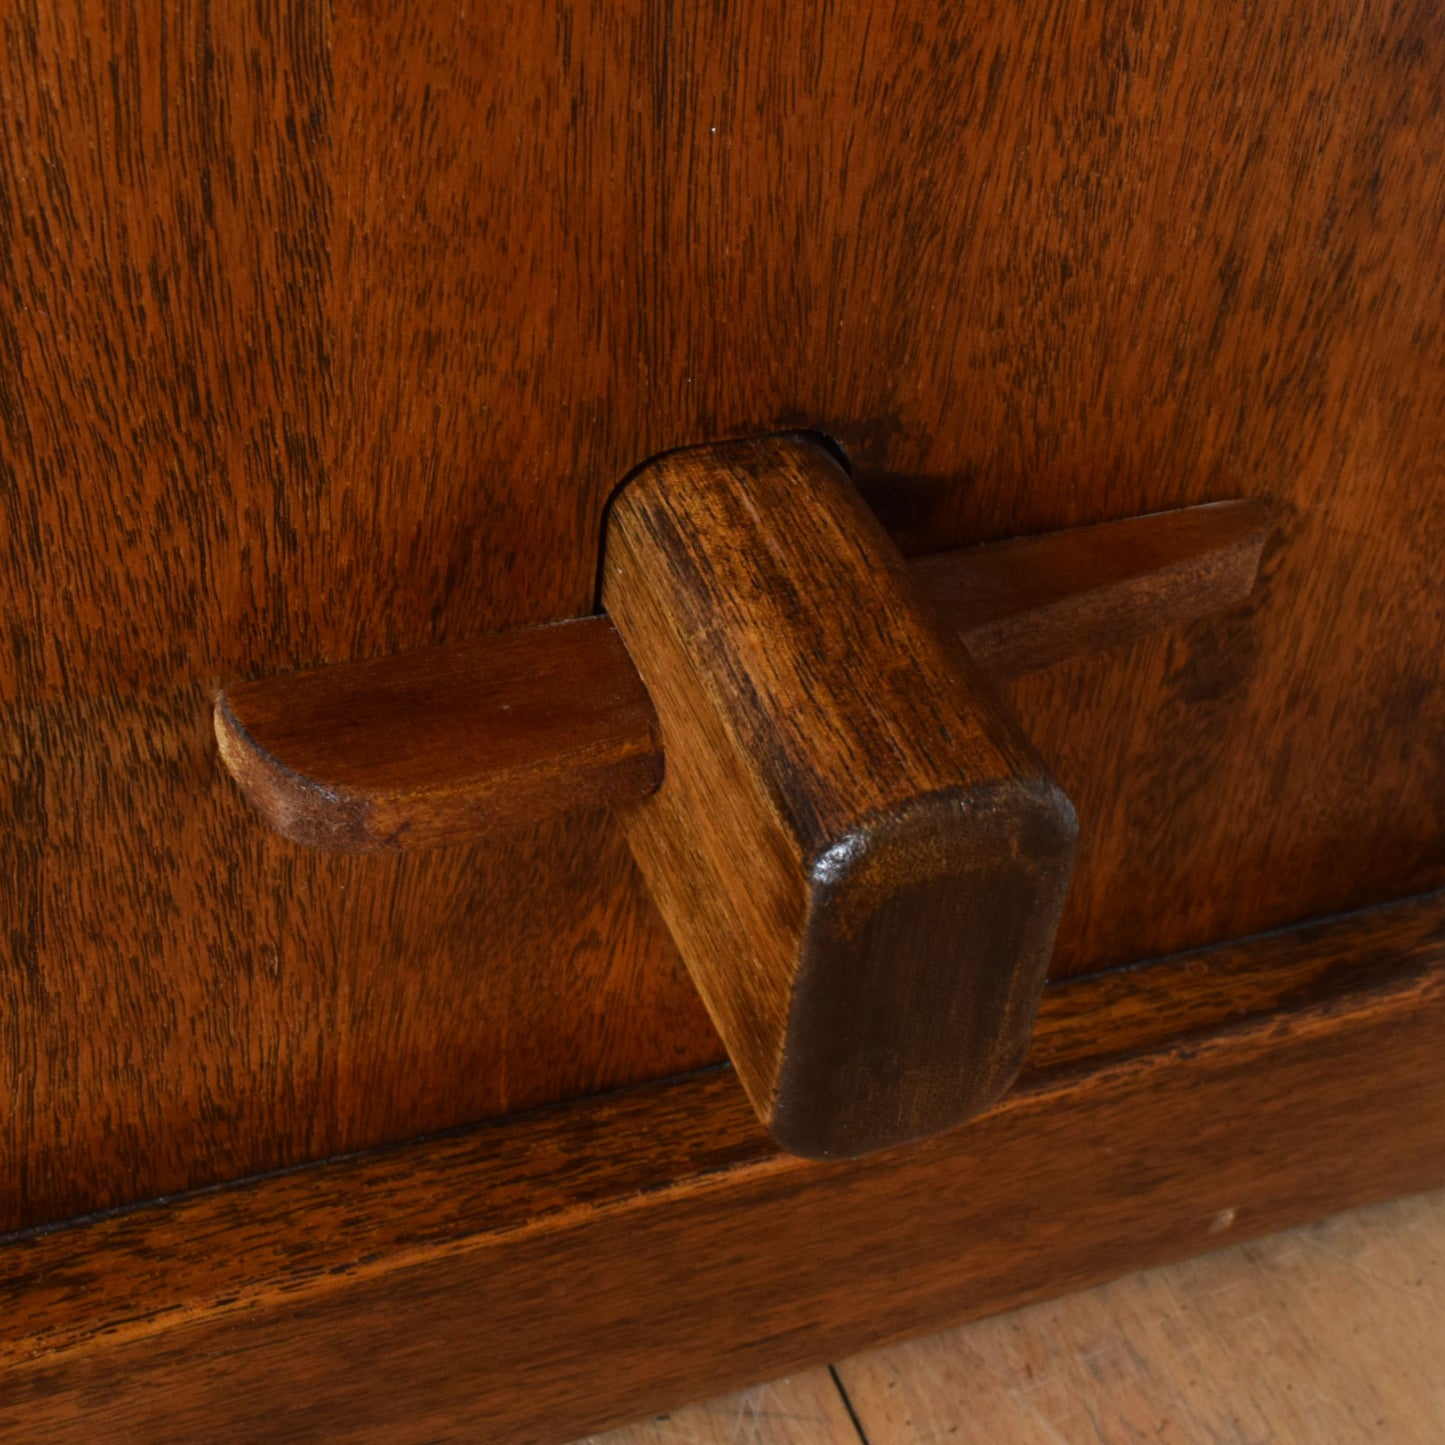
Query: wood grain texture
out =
(443, 1290)
(224, 454)
(802, 1410)
(1326, 1333)
(328, 330)
(365, 997)
(1033, 603)
(445, 745)
(451, 744)
(857, 851)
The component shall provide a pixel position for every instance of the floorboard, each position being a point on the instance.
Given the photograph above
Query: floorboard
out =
(804, 1410)
(1334, 1332)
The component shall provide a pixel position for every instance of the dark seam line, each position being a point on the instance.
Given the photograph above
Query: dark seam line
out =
(848, 1405)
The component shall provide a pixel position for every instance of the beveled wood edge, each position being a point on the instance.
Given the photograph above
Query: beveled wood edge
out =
(282, 1240)
(1032, 603)
(1020, 606)
(600, 746)
(297, 807)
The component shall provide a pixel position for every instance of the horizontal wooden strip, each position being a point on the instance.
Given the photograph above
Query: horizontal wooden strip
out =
(530, 1172)
(547, 1274)
(447, 744)
(1029, 604)
(452, 743)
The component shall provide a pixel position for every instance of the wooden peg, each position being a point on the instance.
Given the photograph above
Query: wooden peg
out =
(451, 744)
(446, 744)
(859, 854)
(856, 848)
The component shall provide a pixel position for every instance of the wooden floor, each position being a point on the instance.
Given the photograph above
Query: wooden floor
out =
(1334, 1333)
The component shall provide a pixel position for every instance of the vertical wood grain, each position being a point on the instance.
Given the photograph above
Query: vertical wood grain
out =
(225, 452)
(326, 331)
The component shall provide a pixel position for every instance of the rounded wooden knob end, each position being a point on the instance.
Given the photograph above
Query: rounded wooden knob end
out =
(922, 962)
(858, 852)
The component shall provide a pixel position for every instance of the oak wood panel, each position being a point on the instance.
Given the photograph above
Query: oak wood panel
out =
(547, 1275)
(228, 1011)
(858, 852)
(327, 330)
(267, 403)
(1061, 266)
(448, 744)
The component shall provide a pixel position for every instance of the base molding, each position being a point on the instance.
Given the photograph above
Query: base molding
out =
(550, 1274)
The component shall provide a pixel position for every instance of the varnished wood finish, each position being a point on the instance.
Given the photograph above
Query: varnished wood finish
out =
(544, 1276)
(1035, 602)
(858, 853)
(446, 745)
(329, 329)
(450, 744)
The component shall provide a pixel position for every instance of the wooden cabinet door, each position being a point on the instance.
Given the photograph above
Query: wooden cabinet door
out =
(327, 331)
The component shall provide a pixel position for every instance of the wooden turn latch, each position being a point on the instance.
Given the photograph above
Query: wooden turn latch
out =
(855, 846)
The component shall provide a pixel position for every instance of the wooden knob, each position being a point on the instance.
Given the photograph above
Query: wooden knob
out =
(860, 856)
(858, 852)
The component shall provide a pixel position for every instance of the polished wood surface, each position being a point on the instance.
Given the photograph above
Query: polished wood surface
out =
(1033, 603)
(859, 854)
(439, 1291)
(329, 331)
(452, 743)
(1325, 1333)
(446, 745)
